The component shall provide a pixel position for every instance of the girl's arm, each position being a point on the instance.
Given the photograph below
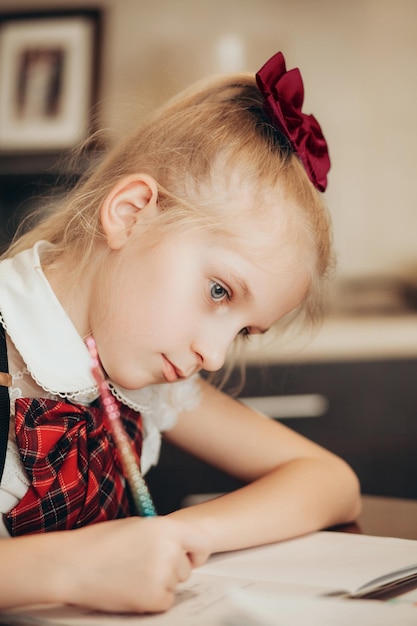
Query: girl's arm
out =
(133, 564)
(294, 486)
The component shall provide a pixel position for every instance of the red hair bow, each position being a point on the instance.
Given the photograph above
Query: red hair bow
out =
(284, 95)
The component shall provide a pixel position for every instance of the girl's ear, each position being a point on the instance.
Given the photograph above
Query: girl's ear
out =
(129, 199)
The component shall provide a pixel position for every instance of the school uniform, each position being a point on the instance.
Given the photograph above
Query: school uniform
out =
(55, 419)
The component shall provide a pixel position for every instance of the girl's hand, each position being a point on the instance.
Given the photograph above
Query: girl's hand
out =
(131, 565)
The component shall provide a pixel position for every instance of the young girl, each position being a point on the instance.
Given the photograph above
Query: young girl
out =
(204, 226)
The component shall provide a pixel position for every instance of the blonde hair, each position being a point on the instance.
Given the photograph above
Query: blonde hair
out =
(215, 128)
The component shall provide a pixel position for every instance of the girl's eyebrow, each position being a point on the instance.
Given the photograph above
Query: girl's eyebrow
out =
(242, 286)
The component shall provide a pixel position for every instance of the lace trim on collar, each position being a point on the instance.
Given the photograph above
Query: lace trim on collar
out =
(89, 393)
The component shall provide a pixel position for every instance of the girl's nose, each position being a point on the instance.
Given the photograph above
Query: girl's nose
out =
(212, 351)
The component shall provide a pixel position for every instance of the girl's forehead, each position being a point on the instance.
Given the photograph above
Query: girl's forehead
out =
(269, 211)
(268, 256)
(272, 236)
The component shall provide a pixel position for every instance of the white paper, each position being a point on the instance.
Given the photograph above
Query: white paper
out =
(259, 609)
(340, 561)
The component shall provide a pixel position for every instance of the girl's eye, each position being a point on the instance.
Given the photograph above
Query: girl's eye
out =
(218, 293)
(244, 333)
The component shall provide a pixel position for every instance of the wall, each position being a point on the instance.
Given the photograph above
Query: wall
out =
(358, 60)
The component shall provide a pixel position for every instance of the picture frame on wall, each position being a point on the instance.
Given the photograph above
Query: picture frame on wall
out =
(48, 79)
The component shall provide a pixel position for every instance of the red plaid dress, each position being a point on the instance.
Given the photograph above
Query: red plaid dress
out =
(72, 465)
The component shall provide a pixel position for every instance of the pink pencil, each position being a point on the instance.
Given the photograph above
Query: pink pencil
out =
(131, 471)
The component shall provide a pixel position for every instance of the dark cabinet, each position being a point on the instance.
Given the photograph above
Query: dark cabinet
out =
(368, 416)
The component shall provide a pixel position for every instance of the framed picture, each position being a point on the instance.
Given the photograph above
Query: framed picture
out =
(48, 79)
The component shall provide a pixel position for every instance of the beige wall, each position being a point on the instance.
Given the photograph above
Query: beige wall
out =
(359, 63)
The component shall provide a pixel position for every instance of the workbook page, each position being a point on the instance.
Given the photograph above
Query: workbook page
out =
(332, 560)
(205, 603)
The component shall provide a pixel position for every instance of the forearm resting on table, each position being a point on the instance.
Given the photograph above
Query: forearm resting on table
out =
(301, 496)
(29, 570)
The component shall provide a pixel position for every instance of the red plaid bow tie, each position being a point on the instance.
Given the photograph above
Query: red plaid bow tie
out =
(72, 465)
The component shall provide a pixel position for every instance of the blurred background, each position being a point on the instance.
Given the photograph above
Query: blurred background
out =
(359, 64)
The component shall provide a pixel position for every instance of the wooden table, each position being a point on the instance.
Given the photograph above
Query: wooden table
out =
(386, 517)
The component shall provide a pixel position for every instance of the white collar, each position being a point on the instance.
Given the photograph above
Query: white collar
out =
(44, 335)
(40, 329)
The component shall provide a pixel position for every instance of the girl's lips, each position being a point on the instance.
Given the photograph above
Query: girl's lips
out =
(169, 371)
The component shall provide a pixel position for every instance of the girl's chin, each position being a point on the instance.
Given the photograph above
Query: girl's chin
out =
(131, 384)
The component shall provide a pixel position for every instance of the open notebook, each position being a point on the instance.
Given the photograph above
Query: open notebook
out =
(310, 580)
(328, 563)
